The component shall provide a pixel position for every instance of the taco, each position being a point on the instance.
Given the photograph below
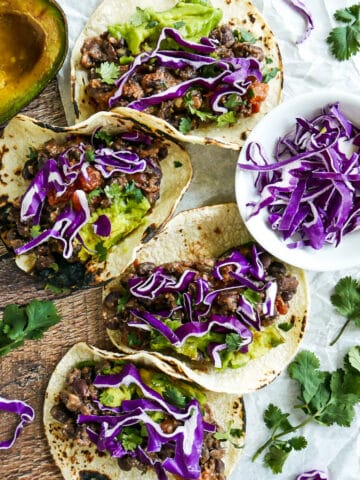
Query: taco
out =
(211, 302)
(109, 416)
(77, 201)
(207, 71)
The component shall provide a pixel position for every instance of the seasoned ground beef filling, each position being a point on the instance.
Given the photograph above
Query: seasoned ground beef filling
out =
(79, 396)
(16, 233)
(151, 79)
(120, 304)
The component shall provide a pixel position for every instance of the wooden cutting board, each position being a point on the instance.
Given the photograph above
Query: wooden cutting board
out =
(25, 372)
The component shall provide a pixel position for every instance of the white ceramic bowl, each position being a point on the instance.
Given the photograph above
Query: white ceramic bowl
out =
(274, 125)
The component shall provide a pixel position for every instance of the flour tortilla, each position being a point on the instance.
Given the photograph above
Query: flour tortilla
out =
(209, 232)
(23, 133)
(74, 461)
(240, 13)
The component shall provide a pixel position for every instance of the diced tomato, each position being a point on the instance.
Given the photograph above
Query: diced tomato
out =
(259, 94)
(64, 198)
(281, 306)
(93, 180)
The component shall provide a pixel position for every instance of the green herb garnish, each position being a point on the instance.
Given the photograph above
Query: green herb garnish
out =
(325, 398)
(346, 300)
(101, 251)
(104, 137)
(185, 125)
(109, 72)
(230, 434)
(28, 322)
(345, 41)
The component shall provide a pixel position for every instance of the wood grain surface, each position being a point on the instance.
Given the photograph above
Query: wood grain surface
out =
(24, 373)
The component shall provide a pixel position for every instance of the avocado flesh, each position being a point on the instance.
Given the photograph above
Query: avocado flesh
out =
(193, 19)
(33, 42)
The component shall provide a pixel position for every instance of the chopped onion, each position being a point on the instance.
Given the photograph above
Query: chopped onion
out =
(18, 407)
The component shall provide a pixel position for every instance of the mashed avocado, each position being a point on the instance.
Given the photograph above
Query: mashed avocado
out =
(193, 18)
(125, 214)
(263, 341)
(181, 392)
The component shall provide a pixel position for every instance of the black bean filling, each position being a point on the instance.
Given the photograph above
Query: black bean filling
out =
(78, 398)
(225, 303)
(151, 79)
(15, 233)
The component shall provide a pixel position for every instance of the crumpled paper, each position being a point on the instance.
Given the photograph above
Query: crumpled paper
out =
(307, 67)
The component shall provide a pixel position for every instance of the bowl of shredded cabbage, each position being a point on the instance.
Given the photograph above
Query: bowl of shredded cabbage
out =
(297, 181)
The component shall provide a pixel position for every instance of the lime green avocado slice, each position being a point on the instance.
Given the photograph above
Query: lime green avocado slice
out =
(33, 42)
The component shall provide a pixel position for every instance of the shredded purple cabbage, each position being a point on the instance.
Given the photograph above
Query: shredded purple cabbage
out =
(59, 175)
(196, 299)
(233, 77)
(302, 8)
(185, 441)
(25, 412)
(312, 189)
(313, 475)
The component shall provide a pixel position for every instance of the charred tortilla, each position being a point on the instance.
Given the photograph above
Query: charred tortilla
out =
(197, 236)
(239, 15)
(78, 458)
(85, 197)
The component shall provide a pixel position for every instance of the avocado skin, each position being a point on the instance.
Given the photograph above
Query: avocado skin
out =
(46, 21)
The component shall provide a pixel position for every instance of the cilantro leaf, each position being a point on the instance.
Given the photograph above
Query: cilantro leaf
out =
(139, 17)
(130, 437)
(226, 118)
(233, 341)
(329, 397)
(274, 418)
(233, 101)
(269, 73)
(104, 137)
(285, 326)
(354, 358)
(33, 154)
(41, 316)
(276, 457)
(185, 125)
(28, 322)
(132, 191)
(345, 41)
(304, 369)
(109, 72)
(101, 251)
(175, 397)
(123, 299)
(298, 443)
(94, 193)
(90, 156)
(246, 36)
(230, 435)
(35, 231)
(346, 300)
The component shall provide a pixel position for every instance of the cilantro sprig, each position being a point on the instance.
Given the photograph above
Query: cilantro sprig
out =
(109, 72)
(232, 435)
(325, 398)
(346, 300)
(28, 322)
(344, 41)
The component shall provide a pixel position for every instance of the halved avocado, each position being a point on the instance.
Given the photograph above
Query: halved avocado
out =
(33, 45)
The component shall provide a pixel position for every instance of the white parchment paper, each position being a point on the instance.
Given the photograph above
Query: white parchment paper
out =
(307, 67)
